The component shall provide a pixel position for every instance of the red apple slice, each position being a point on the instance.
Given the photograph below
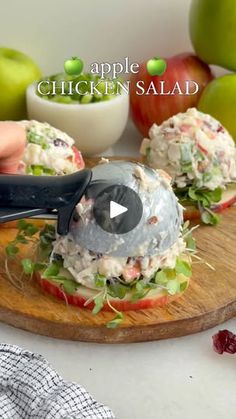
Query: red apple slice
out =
(155, 298)
(78, 159)
(228, 199)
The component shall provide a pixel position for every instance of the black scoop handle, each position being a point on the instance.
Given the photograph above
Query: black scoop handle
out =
(45, 192)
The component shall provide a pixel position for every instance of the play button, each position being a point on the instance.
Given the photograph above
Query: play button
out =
(117, 209)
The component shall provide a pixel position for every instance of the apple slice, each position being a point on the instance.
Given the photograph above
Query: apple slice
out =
(228, 199)
(155, 298)
(78, 159)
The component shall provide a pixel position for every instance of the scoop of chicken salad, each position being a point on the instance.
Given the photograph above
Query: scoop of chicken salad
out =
(152, 255)
(152, 259)
(197, 152)
(49, 151)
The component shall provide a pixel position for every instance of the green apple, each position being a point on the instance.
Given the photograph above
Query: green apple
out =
(219, 100)
(156, 66)
(17, 71)
(74, 66)
(213, 31)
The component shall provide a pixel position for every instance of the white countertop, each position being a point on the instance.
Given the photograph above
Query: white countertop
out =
(173, 379)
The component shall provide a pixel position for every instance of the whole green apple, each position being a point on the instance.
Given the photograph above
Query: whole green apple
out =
(213, 31)
(74, 66)
(219, 100)
(156, 66)
(17, 71)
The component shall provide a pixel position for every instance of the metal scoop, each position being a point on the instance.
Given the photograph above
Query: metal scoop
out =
(157, 229)
(56, 197)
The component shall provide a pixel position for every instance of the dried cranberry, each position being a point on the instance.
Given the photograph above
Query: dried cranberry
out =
(58, 142)
(224, 341)
(220, 129)
(153, 220)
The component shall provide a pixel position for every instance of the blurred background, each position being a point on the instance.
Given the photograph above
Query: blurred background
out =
(50, 31)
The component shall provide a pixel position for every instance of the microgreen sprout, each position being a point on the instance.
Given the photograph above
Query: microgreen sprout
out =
(169, 281)
(203, 200)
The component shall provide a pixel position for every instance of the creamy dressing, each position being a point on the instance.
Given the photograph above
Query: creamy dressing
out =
(152, 245)
(193, 148)
(84, 265)
(144, 181)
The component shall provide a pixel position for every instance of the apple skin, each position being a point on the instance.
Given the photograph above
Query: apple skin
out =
(17, 72)
(149, 109)
(78, 158)
(219, 100)
(74, 66)
(212, 31)
(160, 300)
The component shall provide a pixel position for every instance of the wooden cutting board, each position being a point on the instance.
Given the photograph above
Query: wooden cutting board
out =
(210, 299)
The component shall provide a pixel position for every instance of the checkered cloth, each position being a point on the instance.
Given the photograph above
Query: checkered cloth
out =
(31, 389)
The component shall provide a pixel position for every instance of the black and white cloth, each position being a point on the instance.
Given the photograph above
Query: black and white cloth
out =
(31, 389)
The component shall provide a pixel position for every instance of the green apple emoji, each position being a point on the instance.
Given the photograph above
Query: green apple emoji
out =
(213, 31)
(219, 100)
(156, 66)
(74, 66)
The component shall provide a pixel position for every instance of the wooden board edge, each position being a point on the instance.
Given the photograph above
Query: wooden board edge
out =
(130, 334)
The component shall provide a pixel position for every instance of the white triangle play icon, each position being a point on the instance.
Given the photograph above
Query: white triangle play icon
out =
(116, 209)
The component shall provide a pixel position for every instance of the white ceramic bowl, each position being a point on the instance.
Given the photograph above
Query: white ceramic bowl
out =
(95, 126)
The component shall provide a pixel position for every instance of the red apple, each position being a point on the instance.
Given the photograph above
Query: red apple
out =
(156, 299)
(78, 159)
(147, 109)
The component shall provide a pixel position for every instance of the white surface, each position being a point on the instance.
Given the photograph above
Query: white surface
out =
(173, 379)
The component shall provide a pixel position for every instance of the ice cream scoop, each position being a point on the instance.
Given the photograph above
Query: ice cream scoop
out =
(149, 223)
(157, 228)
